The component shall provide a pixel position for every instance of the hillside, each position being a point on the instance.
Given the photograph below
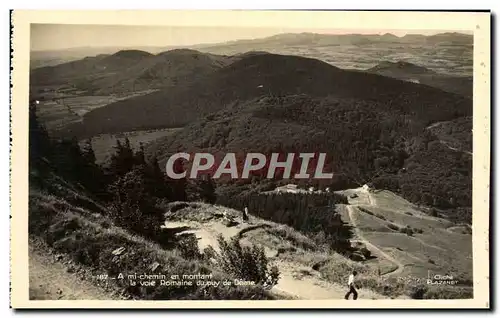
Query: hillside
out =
(364, 144)
(402, 245)
(77, 251)
(89, 225)
(255, 76)
(97, 225)
(127, 71)
(372, 128)
(73, 239)
(414, 73)
(455, 134)
(417, 242)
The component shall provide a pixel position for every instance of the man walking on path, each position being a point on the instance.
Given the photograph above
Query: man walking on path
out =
(245, 214)
(352, 287)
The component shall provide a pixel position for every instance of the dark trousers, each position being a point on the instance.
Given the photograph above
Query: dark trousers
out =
(352, 291)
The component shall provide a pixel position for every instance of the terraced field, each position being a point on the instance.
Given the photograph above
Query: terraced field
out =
(433, 245)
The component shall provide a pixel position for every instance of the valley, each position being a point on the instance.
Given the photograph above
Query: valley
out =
(391, 115)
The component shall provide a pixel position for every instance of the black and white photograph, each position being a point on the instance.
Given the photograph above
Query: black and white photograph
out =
(282, 163)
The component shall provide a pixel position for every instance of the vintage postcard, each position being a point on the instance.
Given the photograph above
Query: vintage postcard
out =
(268, 159)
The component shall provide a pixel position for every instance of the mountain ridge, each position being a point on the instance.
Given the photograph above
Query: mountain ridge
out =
(40, 58)
(247, 78)
(128, 70)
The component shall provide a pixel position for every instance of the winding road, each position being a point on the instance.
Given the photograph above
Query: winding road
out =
(454, 149)
(361, 239)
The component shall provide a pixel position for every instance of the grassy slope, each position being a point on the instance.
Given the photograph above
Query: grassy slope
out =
(407, 71)
(304, 264)
(294, 253)
(72, 224)
(437, 249)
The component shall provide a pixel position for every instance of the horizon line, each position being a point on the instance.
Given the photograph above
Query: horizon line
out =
(258, 38)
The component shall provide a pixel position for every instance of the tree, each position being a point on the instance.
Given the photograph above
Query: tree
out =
(207, 188)
(39, 141)
(139, 158)
(88, 152)
(178, 186)
(156, 182)
(133, 206)
(92, 177)
(123, 160)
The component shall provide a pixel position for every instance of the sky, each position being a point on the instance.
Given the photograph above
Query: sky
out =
(62, 36)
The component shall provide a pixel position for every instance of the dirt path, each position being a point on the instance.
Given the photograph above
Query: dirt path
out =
(364, 192)
(439, 123)
(371, 198)
(458, 227)
(300, 282)
(296, 281)
(454, 149)
(303, 283)
(372, 247)
(206, 233)
(50, 280)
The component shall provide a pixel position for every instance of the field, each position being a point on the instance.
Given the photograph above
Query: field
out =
(61, 107)
(444, 59)
(433, 245)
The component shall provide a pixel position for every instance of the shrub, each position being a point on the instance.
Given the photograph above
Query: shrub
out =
(209, 254)
(357, 257)
(176, 206)
(407, 230)
(366, 252)
(387, 287)
(189, 247)
(393, 226)
(273, 276)
(293, 236)
(366, 210)
(434, 212)
(418, 292)
(244, 262)
(449, 292)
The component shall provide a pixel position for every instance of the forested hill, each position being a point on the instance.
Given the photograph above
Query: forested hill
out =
(261, 75)
(373, 129)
